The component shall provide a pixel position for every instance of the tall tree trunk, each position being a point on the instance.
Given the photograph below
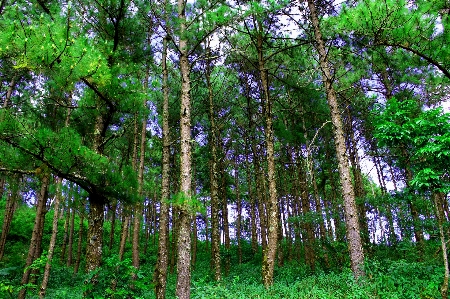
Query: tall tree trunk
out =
(269, 254)
(140, 170)
(183, 287)
(351, 214)
(239, 210)
(40, 210)
(214, 177)
(51, 246)
(160, 275)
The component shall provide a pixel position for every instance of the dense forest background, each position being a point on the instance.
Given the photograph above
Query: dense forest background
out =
(215, 149)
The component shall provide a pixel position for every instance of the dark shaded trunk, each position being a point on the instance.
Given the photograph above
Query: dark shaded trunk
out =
(36, 236)
(66, 235)
(11, 206)
(113, 224)
(79, 244)
(70, 241)
(310, 239)
(214, 180)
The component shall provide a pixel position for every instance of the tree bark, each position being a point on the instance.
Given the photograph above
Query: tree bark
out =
(269, 256)
(440, 217)
(351, 214)
(95, 233)
(160, 275)
(183, 287)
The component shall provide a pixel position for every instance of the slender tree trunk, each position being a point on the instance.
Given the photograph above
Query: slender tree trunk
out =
(140, 170)
(113, 225)
(66, 235)
(174, 239)
(351, 214)
(310, 255)
(79, 245)
(2, 186)
(11, 206)
(183, 287)
(40, 210)
(124, 232)
(239, 211)
(160, 275)
(440, 216)
(358, 180)
(70, 241)
(251, 207)
(9, 92)
(194, 245)
(269, 255)
(51, 246)
(214, 179)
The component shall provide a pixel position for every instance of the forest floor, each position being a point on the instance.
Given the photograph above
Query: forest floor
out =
(391, 273)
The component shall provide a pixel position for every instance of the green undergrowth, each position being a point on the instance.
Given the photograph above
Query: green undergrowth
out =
(390, 279)
(387, 277)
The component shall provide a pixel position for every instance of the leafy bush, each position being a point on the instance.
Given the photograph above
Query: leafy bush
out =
(115, 280)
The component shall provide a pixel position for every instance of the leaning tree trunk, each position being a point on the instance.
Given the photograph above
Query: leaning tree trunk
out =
(51, 247)
(351, 213)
